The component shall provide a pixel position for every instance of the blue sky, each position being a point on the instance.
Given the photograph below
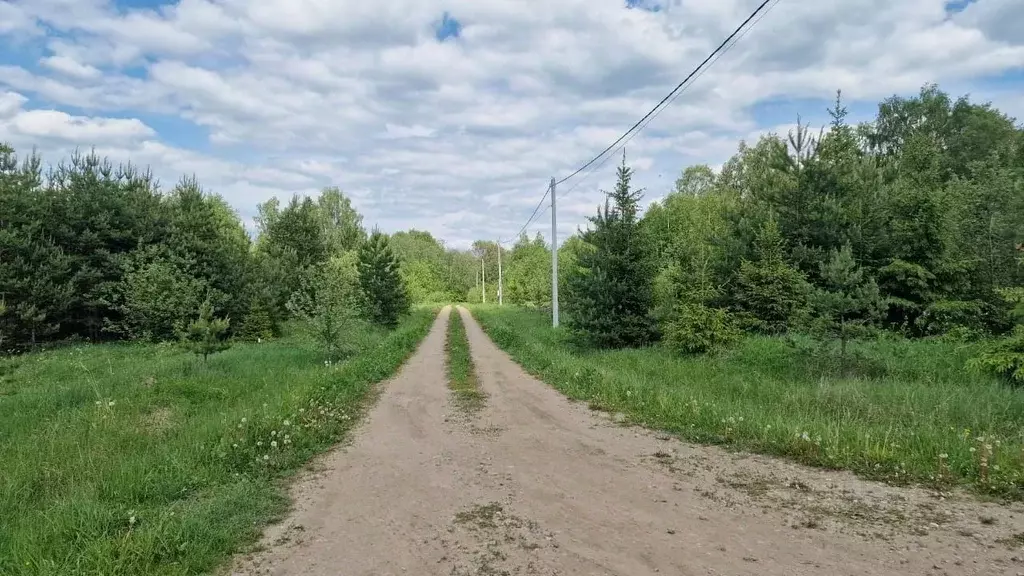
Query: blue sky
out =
(452, 116)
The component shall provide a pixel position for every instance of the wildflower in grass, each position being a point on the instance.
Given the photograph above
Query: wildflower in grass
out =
(273, 444)
(234, 445)
(273, 432)
(110, 404)
(805, 437)
(244, 420)
(259, 443)
(287, 423)
(266, 457)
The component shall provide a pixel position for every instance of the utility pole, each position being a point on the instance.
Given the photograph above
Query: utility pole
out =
(554, 258)
(483, 278)
(501, 298)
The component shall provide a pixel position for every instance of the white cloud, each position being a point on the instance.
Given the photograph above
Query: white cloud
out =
(70, 67)
(461, 137)
(56, 126)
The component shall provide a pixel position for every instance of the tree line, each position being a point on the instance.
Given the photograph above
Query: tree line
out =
(90, 250)
(911, 223)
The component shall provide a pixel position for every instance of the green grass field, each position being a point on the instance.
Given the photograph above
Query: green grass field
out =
(919, 417)
(128, 459)
(461, 375)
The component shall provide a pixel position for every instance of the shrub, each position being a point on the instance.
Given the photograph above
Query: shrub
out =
(699, 329)
(328, 298)
(206, 335)
(158, 299)
(958, 316)
(1005, 358)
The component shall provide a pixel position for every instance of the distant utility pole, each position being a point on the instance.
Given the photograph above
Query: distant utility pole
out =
(554, 258)
(501, 300)
(483, 278)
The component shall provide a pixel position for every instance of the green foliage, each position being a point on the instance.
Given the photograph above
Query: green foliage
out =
(429, 269)
(946, 316)
(3, 325)
(158, 299)
(343, 225)
(329, 299)
(768, 289)
(383, 289)
(695, 328)
(207, 334)
(1005, 358)
(527, 273)
(610, 289)
(258, 323)
(847, 304)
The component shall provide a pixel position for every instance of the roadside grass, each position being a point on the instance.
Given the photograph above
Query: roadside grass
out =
(918, 416)
(462, 378)
(128, 459)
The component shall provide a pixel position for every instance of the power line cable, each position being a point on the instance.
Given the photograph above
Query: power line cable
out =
(534, 215)
(674, 90)
(628, 135)
(671, 100)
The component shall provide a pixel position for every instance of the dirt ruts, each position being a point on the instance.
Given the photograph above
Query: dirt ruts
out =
(533, 484)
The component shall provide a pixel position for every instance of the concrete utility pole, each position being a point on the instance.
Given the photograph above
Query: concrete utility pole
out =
(501, 299)
(483, 278)
(554, 258)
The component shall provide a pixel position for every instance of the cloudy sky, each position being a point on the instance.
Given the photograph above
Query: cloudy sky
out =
(452, 115)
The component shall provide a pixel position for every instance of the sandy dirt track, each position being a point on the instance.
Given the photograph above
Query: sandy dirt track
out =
(533, 484)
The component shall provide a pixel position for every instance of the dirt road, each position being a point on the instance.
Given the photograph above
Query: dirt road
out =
(535, 485)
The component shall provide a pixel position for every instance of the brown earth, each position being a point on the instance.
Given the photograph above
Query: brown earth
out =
(533, 484)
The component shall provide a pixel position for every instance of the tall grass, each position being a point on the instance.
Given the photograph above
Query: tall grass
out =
(140, 459)
(916, 416)
(461, 374)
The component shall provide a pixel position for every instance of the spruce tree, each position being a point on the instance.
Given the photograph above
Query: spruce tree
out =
(206, 335)
(769, 290)
(848, 303)
(385, 298)
(611, 289)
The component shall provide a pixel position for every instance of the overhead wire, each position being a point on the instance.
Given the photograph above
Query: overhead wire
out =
(726, 45)
(678, 87)
(671, 100)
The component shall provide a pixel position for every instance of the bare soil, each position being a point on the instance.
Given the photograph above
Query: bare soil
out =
(533, 484)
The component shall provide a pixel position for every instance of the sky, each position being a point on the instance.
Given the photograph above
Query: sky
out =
(452, 115)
